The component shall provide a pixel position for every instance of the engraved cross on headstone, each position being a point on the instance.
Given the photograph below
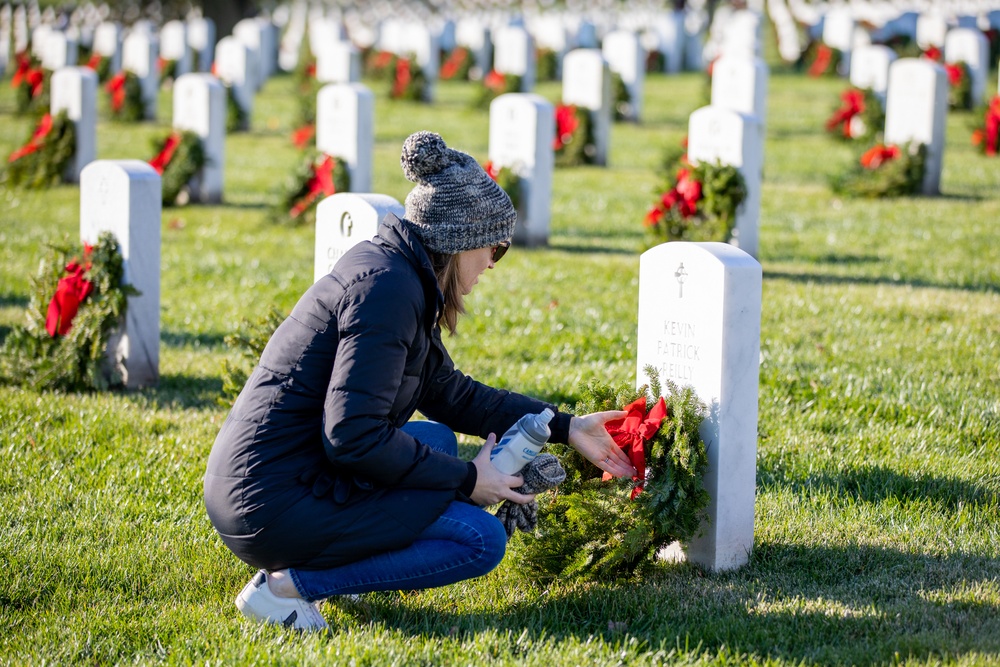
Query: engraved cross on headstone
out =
(680, 274)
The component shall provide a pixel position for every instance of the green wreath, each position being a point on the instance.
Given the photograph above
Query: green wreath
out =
(698, 203)
(76, 360)
(590, 529)
(187, 158)
(884, 171)
(237, 118)
(44, 160)
(457, 65)
(132, 107)
(302, 193)
(546, 64)
(959, 86)
(33, 92)
(574, 142)
(871, 116)
(249, 342)
(620, 98)
(495, 84)
(407, 80)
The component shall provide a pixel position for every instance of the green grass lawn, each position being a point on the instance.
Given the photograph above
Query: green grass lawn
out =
(878, 526)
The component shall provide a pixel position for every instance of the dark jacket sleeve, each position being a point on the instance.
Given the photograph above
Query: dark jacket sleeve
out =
(378, 320)
(470, 407)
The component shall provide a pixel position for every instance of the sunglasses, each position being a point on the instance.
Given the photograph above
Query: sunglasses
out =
(500, 250)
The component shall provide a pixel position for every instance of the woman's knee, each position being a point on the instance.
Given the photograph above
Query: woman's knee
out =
(433, 434)
(494, 542)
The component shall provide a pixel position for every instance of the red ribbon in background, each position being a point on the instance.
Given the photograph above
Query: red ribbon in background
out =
(71, 291)
(95, 61)
(491, 170)
(116, 86)
(933, 53)
(23, 67)
(993, 127)
(854, 104)
(37, 139)
(566, 124)
(824, 54)
(163, 158)
(302, 135)
(320, 183)
(878, 155)
(632, 431)
(956, 73)
(402, 78)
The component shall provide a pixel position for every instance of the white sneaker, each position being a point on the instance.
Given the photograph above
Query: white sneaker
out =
(257, 602)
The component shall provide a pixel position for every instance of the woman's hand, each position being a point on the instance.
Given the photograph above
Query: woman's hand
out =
(493, 486)
(588, 436)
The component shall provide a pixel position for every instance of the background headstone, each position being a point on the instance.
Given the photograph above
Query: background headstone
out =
(699, 325)
(627, 59)
(139, 54)
(58, 50)
(870, 68)
(235, 67)
(734, 139)
(345, 128)
(916, 110)
(345, 219)
(932, 29)
(174, 46)
(969, 45)
(474, 35)
(522, 128)
(124, 197)
(108, 43)
(201, 40)
(338, 62)
(200, 106)
(587, 84)
(740, 83)
(514, 53)
(75, 90)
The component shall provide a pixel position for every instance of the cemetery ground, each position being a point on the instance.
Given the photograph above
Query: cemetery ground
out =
(878, 481)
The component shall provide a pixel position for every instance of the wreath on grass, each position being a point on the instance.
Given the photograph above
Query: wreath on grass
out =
(179, 157)
(319, 175)
(457, 65)
(249, 341)
(31, 81)
(884, 170)
(546, 64)
(379, 64)
(43, 160)
(126, 97)
(820, 59)
(75, 308)
(167, 68)
(507, 179)
(101, 66)
(408, 80)
(655, 61)
(597, 528)
(237, 118)
(621, 99)
(496, 84)
(959, 86)
(860, 115)
(574, 141)
(987, 135)
(698, 203)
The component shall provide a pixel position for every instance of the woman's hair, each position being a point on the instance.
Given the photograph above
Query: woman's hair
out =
(446, 270)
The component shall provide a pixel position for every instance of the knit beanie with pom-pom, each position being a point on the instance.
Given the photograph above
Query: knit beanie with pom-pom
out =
(455, 205)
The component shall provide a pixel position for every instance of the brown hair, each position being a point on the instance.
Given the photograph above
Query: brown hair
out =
(446, 270)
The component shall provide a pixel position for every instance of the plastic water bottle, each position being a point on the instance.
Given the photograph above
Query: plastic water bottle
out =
(522, 442)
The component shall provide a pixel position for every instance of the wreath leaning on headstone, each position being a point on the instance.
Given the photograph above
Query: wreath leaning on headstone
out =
(884, 170)
(621, 99)
(43, 160)
(408, 79)
(319, 175)
(818, 59)
(494, 85)
(596, 528)
(574, 140)
(126, 97)
(179, 156)
(959, 86)
(987, 135)
(508, 181)
(457, 66)
(76, 306)
(860, 115)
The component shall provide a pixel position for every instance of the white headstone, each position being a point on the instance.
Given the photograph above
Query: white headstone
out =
(932, 29)
(345, 219)
(139, 56)
(838, 28)
(474, 35)
(870, 68)
(6, 17)
(201, 40)
(916, 109)
(741, 34)
(124, 197)
(627, 59)
(174, 46)
(733, 139)
(345, 128)
(58, 50)
(252, 34)
(20, 29)
(74, 89)
(587, 84)
(695, 23)
(969, 45)
(699, 326)
(423, 44)
(514, 53)
(200, 106)
(108, 43)
(522, 128)
(235, 68)
(670, 28)
(740, 83)
(338, 62)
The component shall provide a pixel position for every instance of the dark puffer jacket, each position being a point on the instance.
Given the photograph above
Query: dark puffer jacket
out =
(310, 469)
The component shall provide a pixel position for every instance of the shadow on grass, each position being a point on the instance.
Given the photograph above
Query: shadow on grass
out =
(188, 339)
(828, 279)
(874, 484)
(844, 604)
(14, 301)
(179, 391)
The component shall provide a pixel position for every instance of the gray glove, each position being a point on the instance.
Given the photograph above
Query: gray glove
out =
(541, 474)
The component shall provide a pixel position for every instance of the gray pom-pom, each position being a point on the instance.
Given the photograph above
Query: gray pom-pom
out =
(424, 153)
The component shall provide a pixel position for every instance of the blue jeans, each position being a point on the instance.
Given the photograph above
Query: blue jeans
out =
(464, 542)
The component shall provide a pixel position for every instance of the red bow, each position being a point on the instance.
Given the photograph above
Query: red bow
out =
(824, 54)
(70, 293)
(993, 126)
(854, 103)
(320, 183)
(455, 60)
(160, 162)
(23, 67)
(302, 135)
(495, 81)
(933, 53)
(95, 61)
(116, 86)
(491, 170)
(878, 155)
(632, 431)
(956, 72)
(566, 124)
(403, 77)
(37, 139)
